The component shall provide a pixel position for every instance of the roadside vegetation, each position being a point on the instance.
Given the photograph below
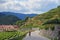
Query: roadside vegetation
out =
(12, 35)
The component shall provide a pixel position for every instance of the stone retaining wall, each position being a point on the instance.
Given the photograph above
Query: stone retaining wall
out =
(49, 33)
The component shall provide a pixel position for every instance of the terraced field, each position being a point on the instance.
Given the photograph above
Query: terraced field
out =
(12, 35)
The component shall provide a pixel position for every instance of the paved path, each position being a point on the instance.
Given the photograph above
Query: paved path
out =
(35, 36)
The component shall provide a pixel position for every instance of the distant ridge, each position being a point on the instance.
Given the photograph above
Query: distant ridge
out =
(19, 15)
(8, 19)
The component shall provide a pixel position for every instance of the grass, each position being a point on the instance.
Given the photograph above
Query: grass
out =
(20, 36)
(12, 35)
(6, 35)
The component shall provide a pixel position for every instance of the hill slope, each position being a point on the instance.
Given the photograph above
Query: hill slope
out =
(19, 15)
(8, 19)
(37, 21)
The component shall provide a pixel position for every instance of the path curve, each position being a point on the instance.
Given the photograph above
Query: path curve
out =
(35, 36)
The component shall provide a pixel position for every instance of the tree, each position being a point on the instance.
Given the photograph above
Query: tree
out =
(26, 18)
(19, 23)
(58, 6)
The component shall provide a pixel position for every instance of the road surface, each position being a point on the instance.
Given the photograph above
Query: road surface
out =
(35, 36)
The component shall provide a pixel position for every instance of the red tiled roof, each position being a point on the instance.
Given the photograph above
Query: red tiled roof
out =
(8, 27)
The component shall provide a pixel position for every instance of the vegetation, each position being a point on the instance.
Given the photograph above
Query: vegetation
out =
(39, 20)
(29, 23)
(20, 22)
(8, 19)
(6, 35)
(12, 35)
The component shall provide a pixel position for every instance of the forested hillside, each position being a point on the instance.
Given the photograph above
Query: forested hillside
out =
(19, 15)
(8, 19)
(39, 20)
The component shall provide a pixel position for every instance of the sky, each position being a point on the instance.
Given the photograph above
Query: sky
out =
(28, 6)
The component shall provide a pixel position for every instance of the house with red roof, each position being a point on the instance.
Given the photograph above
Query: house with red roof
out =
(8, 28)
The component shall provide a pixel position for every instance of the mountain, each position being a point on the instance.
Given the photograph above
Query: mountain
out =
(39, 20)
(8, 19)
(19, 15)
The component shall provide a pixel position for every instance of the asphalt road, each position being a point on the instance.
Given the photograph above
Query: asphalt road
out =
(35, 36)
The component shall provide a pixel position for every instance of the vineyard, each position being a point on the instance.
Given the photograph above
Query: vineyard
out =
(12, 35)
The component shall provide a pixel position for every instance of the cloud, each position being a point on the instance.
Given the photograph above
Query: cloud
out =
(28, 6)
(56, 1)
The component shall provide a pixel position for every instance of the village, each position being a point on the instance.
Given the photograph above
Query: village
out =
(8, 28)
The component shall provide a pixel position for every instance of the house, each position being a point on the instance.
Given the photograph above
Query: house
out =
(8, 28)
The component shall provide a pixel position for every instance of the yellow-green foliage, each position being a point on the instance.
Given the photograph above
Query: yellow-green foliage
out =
(38, 20)
(8, 35)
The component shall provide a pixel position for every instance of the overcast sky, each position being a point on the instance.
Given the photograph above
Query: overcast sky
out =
(28, 6)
